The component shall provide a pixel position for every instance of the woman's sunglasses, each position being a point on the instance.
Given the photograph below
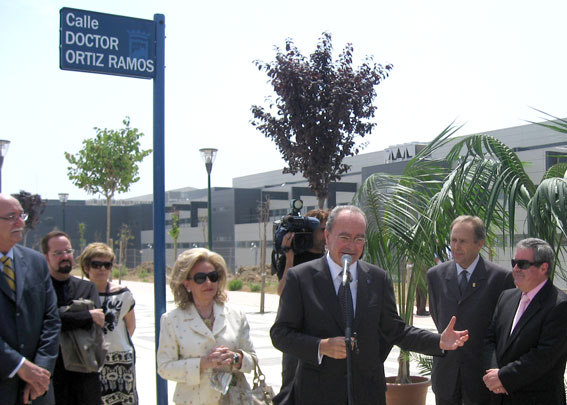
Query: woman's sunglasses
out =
(200, 278)
(95, 264)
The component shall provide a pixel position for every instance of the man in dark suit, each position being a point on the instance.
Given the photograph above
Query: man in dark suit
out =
(287, 261)
(526, 347)
(72, 387)
(29, 321)
(310, 324)
(457, 376)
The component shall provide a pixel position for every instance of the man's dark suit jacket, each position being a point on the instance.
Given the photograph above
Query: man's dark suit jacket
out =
(532, 359)
(29, 326)
(310, 311)
(66, 291)
(474, 312)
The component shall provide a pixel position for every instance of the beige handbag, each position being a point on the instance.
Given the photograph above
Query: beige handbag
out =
(241, 393)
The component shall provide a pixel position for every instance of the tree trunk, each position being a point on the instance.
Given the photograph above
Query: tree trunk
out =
(321, 202)
(403, 368)
(108, 199)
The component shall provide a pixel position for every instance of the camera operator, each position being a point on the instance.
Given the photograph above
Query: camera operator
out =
(317, 251)
(289, 362)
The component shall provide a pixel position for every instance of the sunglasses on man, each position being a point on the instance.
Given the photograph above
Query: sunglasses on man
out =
(200, 278)
(524, 264)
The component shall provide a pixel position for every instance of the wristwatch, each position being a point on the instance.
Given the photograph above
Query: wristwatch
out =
(235, 358)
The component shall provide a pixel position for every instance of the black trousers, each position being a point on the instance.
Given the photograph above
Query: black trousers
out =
(459, 396)
(72, 388)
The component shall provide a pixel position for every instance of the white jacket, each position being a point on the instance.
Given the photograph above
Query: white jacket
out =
(184, 339)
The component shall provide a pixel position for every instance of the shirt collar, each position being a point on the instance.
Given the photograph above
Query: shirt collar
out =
(533, 292)
(470, 269)
(10, 254)
(336, 268)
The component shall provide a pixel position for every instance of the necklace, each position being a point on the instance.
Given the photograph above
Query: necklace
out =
(209, 319)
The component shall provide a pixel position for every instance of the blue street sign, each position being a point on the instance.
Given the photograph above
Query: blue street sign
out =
(107, 43)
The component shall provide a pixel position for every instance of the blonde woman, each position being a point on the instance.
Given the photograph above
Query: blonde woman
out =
(118, 375)
(203, 334)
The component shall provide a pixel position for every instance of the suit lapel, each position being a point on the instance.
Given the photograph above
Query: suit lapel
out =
(220, 319)
(533, 308)
(325, 290)
(452, 282)
(362, 294)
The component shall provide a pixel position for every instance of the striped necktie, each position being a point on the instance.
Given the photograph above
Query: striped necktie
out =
(9, 272)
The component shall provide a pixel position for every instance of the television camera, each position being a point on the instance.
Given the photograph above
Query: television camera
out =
(301, 226)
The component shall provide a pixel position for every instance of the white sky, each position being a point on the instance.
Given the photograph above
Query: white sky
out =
(482, 63)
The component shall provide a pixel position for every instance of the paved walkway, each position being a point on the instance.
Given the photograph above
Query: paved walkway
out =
(270, 358)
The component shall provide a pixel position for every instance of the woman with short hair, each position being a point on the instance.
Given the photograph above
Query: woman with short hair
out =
(118, 375)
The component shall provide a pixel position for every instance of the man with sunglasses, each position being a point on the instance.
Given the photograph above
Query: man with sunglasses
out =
(467, 287)
(72, 387)
(526, 345)
(29, 322)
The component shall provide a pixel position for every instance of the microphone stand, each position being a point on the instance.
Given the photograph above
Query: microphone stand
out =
(348, 309)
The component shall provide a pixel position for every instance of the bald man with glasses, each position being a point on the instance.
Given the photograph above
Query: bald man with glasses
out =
(29, 320)
(310, 324)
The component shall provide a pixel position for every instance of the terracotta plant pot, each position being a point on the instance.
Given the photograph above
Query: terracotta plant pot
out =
(407, 394)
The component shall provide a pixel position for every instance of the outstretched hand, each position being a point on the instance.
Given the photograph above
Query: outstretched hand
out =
(452, 339)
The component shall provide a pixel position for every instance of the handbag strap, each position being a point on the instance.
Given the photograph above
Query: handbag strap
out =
(259, 377)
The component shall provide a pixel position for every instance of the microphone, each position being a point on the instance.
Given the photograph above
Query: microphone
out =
(346, 260)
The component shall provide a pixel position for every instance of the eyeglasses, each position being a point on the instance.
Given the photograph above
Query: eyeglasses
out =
(58, 253)
(95, 264)
(524, 264)
(357, 241)
(15, 217)
(200, 278)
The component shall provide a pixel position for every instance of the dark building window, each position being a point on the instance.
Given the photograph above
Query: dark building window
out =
(552, 158)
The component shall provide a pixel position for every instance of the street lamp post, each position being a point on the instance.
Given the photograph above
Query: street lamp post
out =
(208, 155)
(4, 144)
(63, 197)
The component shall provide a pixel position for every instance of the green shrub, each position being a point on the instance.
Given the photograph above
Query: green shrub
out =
(143, 274)
(235, 285)
(116, 272)
(254, 287)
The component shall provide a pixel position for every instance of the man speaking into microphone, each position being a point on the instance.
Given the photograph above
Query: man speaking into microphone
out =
(310, 323)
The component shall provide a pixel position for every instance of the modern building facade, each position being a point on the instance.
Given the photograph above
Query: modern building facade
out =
(238, 231)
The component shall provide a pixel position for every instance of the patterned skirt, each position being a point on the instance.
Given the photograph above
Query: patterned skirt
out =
(118, 379)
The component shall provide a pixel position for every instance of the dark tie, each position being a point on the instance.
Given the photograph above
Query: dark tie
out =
(9, 272)
(341, 295)
(463, 281)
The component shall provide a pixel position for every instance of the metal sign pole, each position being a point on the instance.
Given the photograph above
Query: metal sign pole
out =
(159, 193)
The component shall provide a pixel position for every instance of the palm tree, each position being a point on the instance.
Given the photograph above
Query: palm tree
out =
(395, 207)
(409, 216)
(497, 177)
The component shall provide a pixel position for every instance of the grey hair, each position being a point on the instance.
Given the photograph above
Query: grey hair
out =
(543, 253)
